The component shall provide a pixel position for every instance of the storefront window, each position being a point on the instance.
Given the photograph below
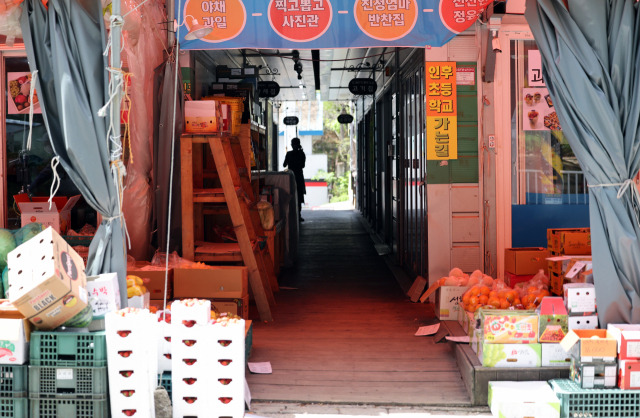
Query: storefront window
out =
(545, 169)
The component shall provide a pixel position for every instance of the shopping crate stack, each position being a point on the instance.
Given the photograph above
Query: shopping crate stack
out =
(208, 362)
(68, 375)
(13, 391)
(133, 365)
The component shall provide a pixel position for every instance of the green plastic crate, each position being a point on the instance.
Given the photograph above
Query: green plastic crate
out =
(68, 382)
(14, 407)
(595, 403)
(68, 349)
(68, 408)
(165, 382)
(13, 380)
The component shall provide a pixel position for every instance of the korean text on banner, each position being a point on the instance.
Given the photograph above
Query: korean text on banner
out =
(442, 111)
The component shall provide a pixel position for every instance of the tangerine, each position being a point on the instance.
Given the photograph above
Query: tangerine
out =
(484, 290)
(475, 291)
(495, 302)
(483, 299)
(465, 298)
(473, 300)
(504, 304)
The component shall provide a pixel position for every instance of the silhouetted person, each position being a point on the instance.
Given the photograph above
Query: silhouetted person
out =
(295, 160)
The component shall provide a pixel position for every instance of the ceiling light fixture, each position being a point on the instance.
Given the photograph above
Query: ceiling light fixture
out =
(196, 30)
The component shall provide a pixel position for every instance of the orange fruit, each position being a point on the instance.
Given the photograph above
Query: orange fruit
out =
(484, 290)
(511, 296)
(532, 289)
(504, 304)
(517, 301)
(473, 308)
(495, 302)
(493, 294)
(483, 299)
(543, 293)
(473, 300)
(465, 298)
(526, 299)
(475, 291)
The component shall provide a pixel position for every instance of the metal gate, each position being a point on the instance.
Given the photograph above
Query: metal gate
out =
(412, 207)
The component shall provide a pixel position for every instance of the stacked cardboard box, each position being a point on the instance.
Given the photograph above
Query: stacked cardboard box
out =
(593, 358)
(580, 301)
(567, 246)
(521, 264)
(628, 340)
(447, 301)
(506, 338)
(553, 323)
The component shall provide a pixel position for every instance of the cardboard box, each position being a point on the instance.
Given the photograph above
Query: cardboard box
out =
(580, 298)
(553, 320)
(562, 263)
(140, 302)
(583, 322)
(47, 283)
(155, 279)
(553, 355)
(594, 374)
(528, 260)
(510, 355)
(628, 339)
(237, 306)
(585, 277)
(37, 209)
(513, 279)
(475, 340)
(14, 341)
(104, 293)
(447, 301)
(523, 400)
(508, 326)
(569, 241)
(589, 345)
(221, 282)
(202, 116)
(465, 319)
(577, 266)
(629, 374)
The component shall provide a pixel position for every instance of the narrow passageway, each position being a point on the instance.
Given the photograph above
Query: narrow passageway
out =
(345, 333)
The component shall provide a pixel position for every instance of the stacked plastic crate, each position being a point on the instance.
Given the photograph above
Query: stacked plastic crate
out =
(68, 375)
(208, 362)
(133, 366)
(13, 391)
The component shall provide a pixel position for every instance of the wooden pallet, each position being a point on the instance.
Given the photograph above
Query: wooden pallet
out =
(235, 197)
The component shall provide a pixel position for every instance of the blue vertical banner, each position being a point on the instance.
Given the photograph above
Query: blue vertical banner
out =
(315, 24)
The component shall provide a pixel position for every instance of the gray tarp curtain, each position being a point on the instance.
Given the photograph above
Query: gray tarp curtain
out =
(591, 66)
(65, 44)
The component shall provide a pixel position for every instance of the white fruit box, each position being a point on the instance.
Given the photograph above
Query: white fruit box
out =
(139, 401)
(199, 312)
(104, 293)
(47, 283)
(200, 389)
(197, 408)
(48, 215)
(523, 399)
(164, 362)
(447, 301)
(137, 380)
(14, 348)
(553, 355)
(583, 322)
(628, 338)
(580, 298)
(234, 407)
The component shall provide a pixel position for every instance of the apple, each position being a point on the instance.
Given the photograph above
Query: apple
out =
(126, 373)
(189, 380)
(190, 399)
(225, 343)
(225, 400)
(124, 334)
(168, 338)
(189, 361)
(188, 323)
(125, 353)
(225, 362)
(168, 356)
(128, 393)
(189, 343)
(129, 412)
(224, 381)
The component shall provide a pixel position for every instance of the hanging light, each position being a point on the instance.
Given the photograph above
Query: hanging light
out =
(196, 30)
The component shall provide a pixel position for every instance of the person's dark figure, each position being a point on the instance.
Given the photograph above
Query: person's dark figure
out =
(295, 160)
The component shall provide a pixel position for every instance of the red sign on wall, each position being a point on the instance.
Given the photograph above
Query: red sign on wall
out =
(458, 15)
(300, 20)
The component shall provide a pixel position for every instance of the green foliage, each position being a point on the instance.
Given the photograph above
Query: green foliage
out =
(338, 186)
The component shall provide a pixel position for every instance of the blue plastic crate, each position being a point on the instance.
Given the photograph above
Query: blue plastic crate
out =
(68, 382)
(595, 403)
(68, 349)
(68, 408)
(14, 407)
(165, 382)
(13, 380)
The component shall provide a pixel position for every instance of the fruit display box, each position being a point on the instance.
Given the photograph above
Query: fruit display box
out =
(590, 345)
(508, 326)
(133, 362)
(552, 320)
(509, 355)
(594, 374)
(628, 338)
(510, 399)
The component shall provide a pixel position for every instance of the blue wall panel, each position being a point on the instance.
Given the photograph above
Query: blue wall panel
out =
(529, 223)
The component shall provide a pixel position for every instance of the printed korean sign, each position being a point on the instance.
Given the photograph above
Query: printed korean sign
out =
(442, 113)
(300, 20)
(535, 69)
(386, 20)
(274, 24)
(226, 17)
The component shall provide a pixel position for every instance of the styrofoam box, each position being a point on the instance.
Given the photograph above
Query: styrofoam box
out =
(200, 312)
(164, 346)
(140, 401)
(583, 322)
(580, 297)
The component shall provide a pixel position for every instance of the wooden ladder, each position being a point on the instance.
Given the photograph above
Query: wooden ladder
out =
(231, 155)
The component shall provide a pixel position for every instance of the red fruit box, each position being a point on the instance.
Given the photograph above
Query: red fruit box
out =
(629, 374)
(628, 339)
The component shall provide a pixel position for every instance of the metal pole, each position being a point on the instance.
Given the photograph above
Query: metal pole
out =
(116, 34)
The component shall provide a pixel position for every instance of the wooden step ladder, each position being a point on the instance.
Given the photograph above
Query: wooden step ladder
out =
(231, 155)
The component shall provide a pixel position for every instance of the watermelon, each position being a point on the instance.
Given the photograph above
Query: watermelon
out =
(7, 244)
(82, 319)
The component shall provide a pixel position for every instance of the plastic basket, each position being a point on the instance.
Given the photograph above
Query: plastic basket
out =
(68, 349)
(165, 382)
(13, 379)
(68, 408)
(14, 407)
(73, 240)
(595, 403)
(67, 383)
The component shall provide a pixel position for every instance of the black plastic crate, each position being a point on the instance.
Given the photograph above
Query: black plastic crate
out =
(68, 382)
(13, 379)
(68, 408)
(68, 349)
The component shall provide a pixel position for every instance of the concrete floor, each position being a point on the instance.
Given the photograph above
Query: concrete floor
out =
(343, 334)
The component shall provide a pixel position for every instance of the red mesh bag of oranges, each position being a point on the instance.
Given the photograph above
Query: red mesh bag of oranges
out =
(532, 292)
